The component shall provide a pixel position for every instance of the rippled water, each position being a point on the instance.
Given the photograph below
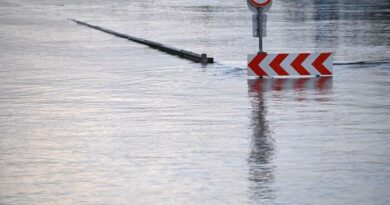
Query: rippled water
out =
(88, 118)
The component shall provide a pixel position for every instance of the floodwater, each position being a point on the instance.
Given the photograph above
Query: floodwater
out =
(88, 118)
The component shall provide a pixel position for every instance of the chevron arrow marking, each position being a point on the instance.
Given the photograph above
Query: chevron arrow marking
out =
(255, 64)
(319, 63)
(276, 64)
(283, 64)
(297, 64)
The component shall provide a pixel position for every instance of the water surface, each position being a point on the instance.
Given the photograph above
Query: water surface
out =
(88, 118)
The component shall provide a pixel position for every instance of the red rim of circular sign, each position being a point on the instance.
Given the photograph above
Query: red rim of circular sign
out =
(260, 5)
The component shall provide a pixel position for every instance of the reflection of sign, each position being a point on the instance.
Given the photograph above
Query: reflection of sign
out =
(303, 64)
(260, 3)
(298, 85)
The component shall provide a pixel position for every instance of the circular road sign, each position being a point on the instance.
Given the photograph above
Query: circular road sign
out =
(254, 5)
(260, 3)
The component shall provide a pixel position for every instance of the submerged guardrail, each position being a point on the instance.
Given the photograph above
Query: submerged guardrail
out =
(195, 57)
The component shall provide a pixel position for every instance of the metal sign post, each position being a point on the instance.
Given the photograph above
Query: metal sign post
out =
(259, 7)
(282, 64)
(260, 28)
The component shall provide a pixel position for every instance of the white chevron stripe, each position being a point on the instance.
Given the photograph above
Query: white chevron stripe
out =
(308, 64)
(329, 63)
(266, 67)
(286, 64)
(267, 84)
(310, 84)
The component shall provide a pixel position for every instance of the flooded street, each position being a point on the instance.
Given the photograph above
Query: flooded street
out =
(89, 118)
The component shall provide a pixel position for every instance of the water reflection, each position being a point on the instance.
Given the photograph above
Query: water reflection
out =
(262, 149)
(302, 85)
(352, 29)
(261, 168)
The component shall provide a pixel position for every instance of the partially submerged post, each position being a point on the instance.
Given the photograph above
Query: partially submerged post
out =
(283, 64)
(195, 57)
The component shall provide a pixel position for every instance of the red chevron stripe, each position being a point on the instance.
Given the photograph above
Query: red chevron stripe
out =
(319, 64)
(300, 84)
(255, 64)
(275, 64)
(258, 86)
(322, 84)
(278, 84)
(297, 64)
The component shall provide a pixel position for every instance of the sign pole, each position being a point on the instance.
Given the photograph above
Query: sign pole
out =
(260, 28)
(282, 64)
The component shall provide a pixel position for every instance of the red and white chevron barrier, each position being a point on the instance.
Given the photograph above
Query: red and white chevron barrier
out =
(300, 64)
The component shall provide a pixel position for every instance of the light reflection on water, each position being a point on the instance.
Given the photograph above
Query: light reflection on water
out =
(262, 148)
(87, 118)
(260, 161)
